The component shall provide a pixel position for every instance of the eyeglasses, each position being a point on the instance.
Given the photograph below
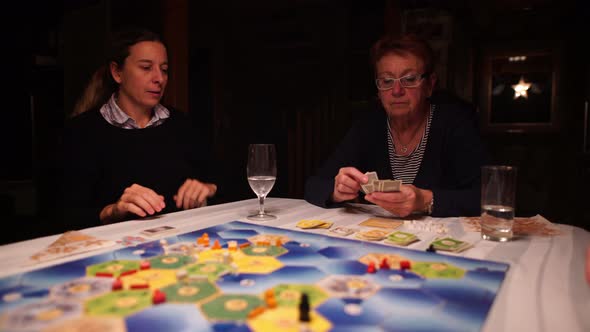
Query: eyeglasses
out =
(408, 81)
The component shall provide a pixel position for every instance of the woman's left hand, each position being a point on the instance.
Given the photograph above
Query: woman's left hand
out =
(401, 203)
(193, 193)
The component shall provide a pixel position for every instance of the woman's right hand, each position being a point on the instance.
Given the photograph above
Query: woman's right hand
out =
(347, 184)
(136, 199)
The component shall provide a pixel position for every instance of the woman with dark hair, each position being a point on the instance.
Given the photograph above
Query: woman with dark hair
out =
(127, 155)
(435, 150)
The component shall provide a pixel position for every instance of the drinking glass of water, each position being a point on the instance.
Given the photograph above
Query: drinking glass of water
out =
(262, 174)
(498, 191)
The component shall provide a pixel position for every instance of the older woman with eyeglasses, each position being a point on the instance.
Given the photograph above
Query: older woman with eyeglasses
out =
(435, 150)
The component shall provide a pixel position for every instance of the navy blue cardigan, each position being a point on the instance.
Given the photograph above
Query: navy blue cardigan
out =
(451, 166)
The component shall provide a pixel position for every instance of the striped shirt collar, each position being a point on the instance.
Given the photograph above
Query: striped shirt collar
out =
(116, 117)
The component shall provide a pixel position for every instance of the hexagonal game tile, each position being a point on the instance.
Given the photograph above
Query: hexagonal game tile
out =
(120, 303)
(231, 306)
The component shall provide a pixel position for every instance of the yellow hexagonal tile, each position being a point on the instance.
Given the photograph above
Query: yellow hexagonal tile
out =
(286, 319)
(257, 264)
(155, 278)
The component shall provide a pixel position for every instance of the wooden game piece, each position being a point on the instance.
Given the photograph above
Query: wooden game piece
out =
(232, 245)
(216, 245)
(244, 245)
(304, 308)
(117, 284)
(144, 265)
(139, 286)
(384, 264)
(181, 274)
(158, 297)
(271, 302)
(256, 311)
(278, 242)
(431, 248)
(269, 293)
(126, 273)
(371, 268)
(404, 265)
(104, 274)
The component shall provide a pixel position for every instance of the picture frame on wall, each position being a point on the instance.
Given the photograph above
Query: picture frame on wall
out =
(519, 89)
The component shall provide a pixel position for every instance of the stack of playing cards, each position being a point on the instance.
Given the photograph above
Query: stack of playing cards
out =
(374, 184)
(306, 224)
(372, 235)
(342, 231)
(401, 238)
(450, 244)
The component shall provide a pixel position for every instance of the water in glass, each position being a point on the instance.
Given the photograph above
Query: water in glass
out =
(262, 174)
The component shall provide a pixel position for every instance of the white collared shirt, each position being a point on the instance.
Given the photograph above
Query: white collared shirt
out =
(116, 117)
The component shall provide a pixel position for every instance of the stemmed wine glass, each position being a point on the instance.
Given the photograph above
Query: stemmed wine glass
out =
(262, 174)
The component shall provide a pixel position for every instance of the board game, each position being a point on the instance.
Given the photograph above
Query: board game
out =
(244, 277)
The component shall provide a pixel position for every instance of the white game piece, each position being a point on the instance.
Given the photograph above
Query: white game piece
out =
(181, 274)
(139, 252)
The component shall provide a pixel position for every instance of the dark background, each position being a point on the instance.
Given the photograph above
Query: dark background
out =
(292, 72)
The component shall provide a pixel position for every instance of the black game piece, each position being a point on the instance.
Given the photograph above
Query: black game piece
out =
(431, 248)
(304, 308)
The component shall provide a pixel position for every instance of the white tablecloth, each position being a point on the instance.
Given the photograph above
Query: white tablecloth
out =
(544, 290)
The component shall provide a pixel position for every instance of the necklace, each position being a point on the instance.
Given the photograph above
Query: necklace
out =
(404, 147)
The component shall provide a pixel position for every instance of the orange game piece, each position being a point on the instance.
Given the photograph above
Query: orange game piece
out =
(271, 302)
(244, 245)
(269, 293)
(256, 311)
(216, 245)
(278, 243)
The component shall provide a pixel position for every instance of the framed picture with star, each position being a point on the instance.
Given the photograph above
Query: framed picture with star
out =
(518, 89)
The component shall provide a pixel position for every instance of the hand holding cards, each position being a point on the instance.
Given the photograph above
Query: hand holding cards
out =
(374, 184)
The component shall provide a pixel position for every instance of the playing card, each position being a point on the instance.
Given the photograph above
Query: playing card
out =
(401, 238)
(372, 235)
(450, 244)
(158, 231)
(382, 223)
(306, 224)
(391, 185)
(342, 231)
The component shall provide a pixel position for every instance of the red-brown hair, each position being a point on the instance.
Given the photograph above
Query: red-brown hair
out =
(406, 44)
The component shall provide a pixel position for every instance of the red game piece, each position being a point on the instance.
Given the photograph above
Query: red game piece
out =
(158, 297)
(404, 265)
(140, 286)
(144, 265)
(371, 268)
(117, 284)
(126, 273)
(104, 274)
(384, 264)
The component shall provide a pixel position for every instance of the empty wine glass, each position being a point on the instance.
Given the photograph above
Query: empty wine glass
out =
(262, 174)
